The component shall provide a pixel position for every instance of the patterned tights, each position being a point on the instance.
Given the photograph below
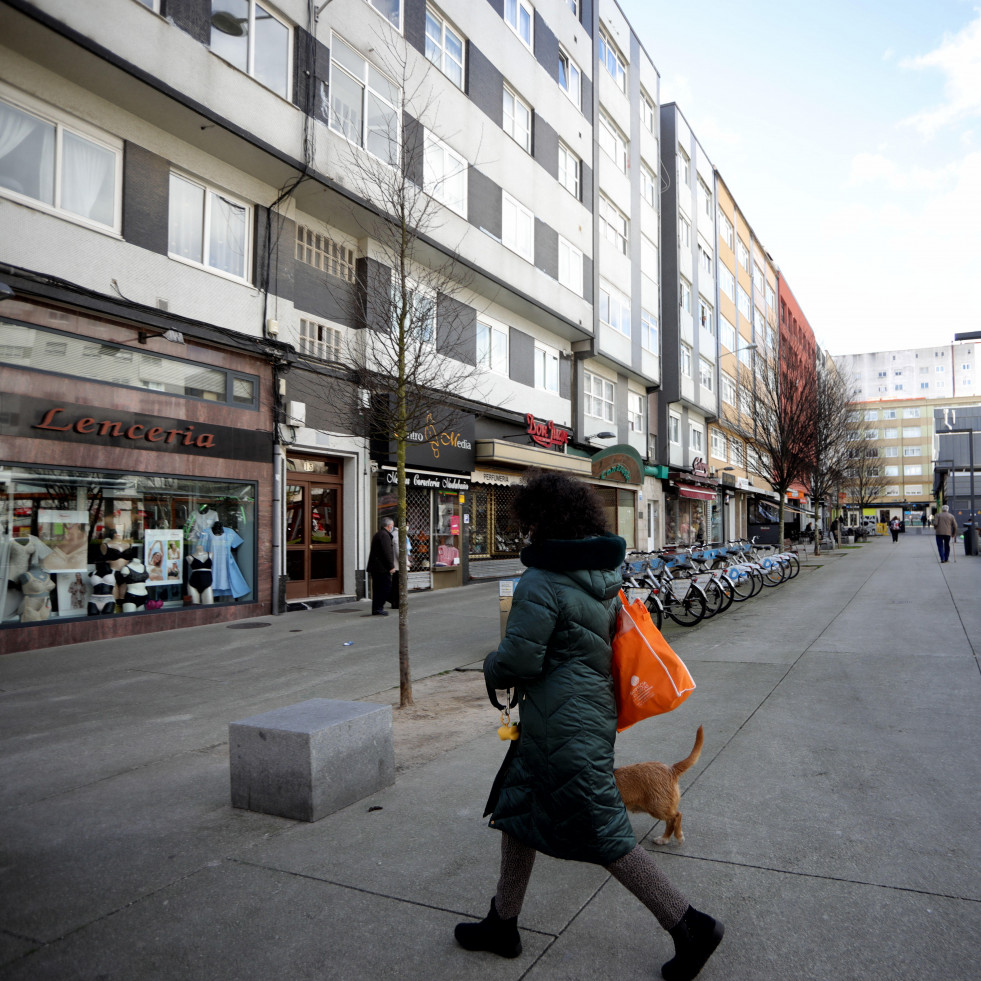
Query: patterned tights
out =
(636, 870)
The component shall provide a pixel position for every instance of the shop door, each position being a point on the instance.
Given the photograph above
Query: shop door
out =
(313, 548)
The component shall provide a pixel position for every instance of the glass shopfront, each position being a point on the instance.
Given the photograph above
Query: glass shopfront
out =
(77, 543)
(687, 521)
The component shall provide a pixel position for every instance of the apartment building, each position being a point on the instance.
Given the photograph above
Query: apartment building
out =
(938, 371)
(189, 260)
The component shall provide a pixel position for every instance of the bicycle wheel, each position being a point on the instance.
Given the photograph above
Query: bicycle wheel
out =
(744, 585)
(726, 588)
(793, 565)
(715, 599)
(654, 608)
(688, 609)
(774, 572)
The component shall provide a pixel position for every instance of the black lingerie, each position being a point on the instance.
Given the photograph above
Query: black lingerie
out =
(200, 577)
(128, 575)
(137, 599)
(97, 605)
(113, 554)
(101, 585)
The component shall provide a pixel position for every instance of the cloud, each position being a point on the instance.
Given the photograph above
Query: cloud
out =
(874, 168)
(959, 58)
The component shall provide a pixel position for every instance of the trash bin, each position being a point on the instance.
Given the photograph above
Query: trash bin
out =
(970, 539)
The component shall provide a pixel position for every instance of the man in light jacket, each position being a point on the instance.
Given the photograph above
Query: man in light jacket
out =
(945, 525)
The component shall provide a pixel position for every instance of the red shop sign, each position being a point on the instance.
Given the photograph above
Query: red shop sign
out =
(546, 434)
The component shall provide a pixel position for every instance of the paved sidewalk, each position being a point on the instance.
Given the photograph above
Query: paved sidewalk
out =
(832, 821)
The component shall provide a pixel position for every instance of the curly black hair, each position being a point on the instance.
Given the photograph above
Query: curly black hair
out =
(553, 505)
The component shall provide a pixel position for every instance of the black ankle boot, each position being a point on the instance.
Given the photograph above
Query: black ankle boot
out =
(491, 933)
(695, 938)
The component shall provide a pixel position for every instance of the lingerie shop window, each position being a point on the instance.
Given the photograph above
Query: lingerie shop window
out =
(80, 544)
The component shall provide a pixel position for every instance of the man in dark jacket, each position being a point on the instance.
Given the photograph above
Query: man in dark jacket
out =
(381, 566)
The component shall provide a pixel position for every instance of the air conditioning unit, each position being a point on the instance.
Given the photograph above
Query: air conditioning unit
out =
(272, 327)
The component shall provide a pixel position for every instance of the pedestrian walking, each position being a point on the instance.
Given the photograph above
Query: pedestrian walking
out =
(944, 526)
(556, 792)
(894, 529)
(381, 566)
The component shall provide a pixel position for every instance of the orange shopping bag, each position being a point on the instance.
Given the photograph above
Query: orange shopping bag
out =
(648, 677)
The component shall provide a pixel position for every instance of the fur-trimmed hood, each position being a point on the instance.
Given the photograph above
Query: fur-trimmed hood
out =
(599, 552)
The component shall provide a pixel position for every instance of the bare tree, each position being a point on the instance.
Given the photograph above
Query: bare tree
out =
(832, 431)
(776, 416)
(412, 351)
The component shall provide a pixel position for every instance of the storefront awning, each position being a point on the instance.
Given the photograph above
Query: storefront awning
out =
(696, 493)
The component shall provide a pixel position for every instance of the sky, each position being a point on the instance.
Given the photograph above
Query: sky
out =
(849, 133)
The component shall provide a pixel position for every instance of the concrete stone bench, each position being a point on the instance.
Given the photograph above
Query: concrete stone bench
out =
(307, 760)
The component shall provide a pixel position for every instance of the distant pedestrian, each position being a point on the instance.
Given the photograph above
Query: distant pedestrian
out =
(944, 527)
(381, 566)
(894, 528)
(556, 792)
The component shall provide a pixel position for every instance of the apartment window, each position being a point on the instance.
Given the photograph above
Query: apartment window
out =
(492, 348)
(546, 369)
(890, 433)
(391, 10)
(891, 451)
(871, 433)
(898, 374)
(251, 37)
(892, 491)
(684, 169)
(569, 169)
(882, 374)
(770, 298)
(888, 413)
(444, 47)
(705, 198)
(319, 340)
(704, 259)
(706, 374)
(598, 397)
(648, 114)
(685, 295)
(718, 444)
(684, 233)
(573, 5)
(648, 256)
(517, 119)
(912, 489)
(897, 388)
(613, 224)
(924, 385)
(648, 331)
(744, 304)
(364, 104)
(742, 254)
(912, 451)
(940, 369)
(913, 470)
(570, 78)
(612, 142)
(912, 413)
(674, 429)
(613, 60)
(570, 266)
(871, 415)
(745, 402)
(758, 280)
(726, 232)
(727, 282)
(686, 360)
(207, 227)
(635, 412)
(911, 432)
(745, 355)
(729, 390)
(517, 227)
(705, 318)
(520, 17)
(420, 314)
(446, 175)
(696, 438)
(61, 166)
(321, 252)
(735, 451)
(648, 185)
(614, 308)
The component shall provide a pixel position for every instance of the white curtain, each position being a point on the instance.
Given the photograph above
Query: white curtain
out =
(15, 127)
(88, 176)
(227, 239)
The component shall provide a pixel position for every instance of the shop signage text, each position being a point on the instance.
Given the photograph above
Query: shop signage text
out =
(120, 430)
(546, 434)
(436, 438)
(43, 418)
(435, 483)
(700, 467)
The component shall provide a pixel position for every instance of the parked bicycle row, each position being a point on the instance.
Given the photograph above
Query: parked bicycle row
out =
(690, 584)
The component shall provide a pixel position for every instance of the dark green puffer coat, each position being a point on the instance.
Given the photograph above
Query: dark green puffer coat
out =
(558, 794)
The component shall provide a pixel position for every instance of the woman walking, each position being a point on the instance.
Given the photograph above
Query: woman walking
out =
(556, 792)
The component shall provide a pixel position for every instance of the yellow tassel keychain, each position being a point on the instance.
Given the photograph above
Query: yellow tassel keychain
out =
(508, 729)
